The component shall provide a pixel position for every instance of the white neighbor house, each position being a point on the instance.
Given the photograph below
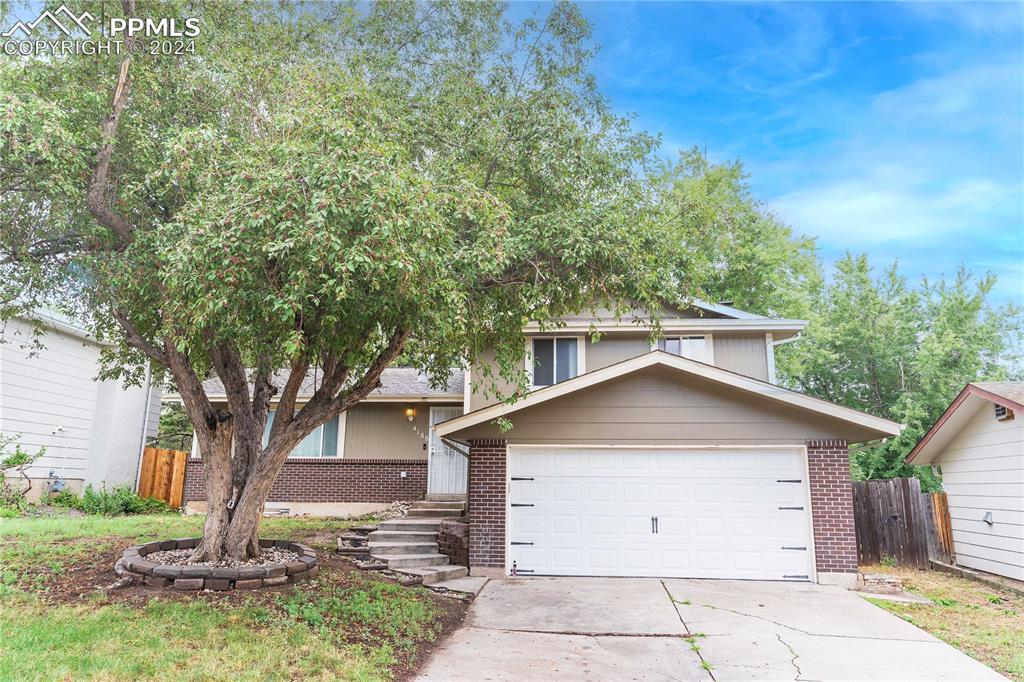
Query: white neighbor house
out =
(979, 444)
(93, 430)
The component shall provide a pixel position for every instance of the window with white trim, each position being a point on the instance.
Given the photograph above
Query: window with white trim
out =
(693, 347)
(323, 442)
(555, 359)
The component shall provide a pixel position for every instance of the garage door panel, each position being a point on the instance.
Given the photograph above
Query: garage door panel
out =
(718, 512)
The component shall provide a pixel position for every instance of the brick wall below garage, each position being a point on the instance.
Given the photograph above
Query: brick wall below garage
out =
(334, 480)
(487, 503)
(835, 537)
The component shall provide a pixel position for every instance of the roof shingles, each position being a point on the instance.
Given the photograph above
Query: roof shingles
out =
(395, 382)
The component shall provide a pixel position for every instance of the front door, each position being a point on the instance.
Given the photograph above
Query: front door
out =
(447, 469)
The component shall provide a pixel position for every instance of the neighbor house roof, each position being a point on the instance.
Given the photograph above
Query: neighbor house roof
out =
(763, 389)
(397, 383)
(1009, 394)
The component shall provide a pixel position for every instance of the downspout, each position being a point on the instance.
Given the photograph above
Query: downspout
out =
(145, 425)
(771, 344)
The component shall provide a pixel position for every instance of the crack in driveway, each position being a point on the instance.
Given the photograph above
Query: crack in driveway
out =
(792, 661)
(815, 634)
(581, 633)
(706, 665)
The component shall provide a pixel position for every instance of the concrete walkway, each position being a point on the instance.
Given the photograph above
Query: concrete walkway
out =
(711, 630)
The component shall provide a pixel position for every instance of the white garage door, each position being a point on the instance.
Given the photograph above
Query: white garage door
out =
(667, 513)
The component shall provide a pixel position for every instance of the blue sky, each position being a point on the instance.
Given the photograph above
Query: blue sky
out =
(890, 129)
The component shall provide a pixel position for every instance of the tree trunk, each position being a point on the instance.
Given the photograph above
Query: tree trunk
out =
(231, 529)
(235, 508)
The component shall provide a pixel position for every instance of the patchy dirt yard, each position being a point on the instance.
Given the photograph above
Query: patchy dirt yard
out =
(982, 621)
(61, 619)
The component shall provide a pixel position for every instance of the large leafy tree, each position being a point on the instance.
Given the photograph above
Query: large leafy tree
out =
(877, 344)
(322, 186)
(749, 256)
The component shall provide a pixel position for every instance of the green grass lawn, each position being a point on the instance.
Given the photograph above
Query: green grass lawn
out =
(984, 622)
(54, 625)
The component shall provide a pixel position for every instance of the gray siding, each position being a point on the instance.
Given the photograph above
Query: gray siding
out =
(745, 354)
(382, 431)
(983, 470)
(661, 406)
(613, 348)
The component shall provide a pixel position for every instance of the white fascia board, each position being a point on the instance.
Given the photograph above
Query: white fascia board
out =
(692, 367)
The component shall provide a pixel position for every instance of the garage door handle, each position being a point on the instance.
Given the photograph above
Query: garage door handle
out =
(784, 480)
(521, 478)
(791, 508)
(521, 504)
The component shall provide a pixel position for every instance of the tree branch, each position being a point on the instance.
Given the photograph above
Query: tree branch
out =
(98, 198)
(136, 339)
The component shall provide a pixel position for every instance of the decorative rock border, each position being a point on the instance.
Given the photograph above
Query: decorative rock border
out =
(133, 564)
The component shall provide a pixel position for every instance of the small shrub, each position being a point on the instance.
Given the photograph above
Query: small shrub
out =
(15, 458)
(119, 501)
(888, 560)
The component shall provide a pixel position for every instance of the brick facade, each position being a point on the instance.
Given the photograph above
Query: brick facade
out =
(487, 503)
(835, 538)
(334, 480)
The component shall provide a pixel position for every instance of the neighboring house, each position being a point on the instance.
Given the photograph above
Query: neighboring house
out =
(978, 443)
(683, 459)
(93, 431)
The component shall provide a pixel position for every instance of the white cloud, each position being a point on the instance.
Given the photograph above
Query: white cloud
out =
(892, 205)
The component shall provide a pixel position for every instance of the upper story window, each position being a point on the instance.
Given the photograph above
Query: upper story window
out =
(555, 359)
(323, 442)
(694, 347)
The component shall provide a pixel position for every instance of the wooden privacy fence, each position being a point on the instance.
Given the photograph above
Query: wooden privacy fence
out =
(163, 475)
(895, 520)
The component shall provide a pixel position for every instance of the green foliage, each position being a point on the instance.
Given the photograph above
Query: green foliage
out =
(175, 430)
(13, 457)
(746, 254)
(319, 175)
(118, 501)
(901, 352)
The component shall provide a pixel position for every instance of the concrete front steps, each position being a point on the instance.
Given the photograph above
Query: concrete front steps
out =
(409, 545)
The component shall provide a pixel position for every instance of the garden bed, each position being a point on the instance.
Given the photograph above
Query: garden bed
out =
(162, 564)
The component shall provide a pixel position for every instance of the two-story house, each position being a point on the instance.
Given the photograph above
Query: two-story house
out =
(680, 458)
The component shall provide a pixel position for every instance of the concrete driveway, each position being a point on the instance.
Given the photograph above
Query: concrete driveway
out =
(715, 630)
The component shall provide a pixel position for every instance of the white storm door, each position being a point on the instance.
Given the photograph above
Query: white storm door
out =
(740, 514)
(447, 469)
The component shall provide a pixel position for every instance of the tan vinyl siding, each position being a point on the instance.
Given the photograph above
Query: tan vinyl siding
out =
(382, 431)
(488, 390)
(744, 354)
(983, 470)
(658, 406)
